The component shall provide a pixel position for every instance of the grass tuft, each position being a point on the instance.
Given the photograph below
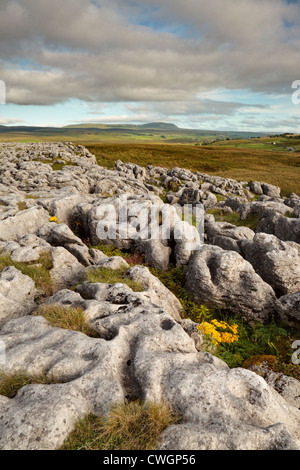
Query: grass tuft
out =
(132, 426)
(68, 318)
(112, 276)
(251, 221)
(11, 383)
(39, 271)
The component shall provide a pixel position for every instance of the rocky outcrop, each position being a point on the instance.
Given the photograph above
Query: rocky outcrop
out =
(53, 199)
(223, 279)
(17, 293)
(288, 308)
(277, 262)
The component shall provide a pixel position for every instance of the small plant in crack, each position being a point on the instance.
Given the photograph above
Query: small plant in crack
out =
(69, 318)
(131, 426)
(112, 276)
(12, 382)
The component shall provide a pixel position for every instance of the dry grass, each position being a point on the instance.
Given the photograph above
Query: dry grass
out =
(132, 426)
(281, 168)
(68, 318)
(11, 383)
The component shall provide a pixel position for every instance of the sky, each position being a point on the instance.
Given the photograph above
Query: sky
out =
(202, 64)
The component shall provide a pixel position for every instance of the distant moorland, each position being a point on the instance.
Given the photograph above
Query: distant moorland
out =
(241, 155)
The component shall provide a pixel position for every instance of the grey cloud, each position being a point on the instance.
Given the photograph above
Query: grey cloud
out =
(106, 51)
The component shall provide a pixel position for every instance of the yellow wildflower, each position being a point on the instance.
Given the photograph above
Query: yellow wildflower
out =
(210, 329)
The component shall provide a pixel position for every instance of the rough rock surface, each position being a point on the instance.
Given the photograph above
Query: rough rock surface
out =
(277, 262)
(288, 308)
(52, 198)
(211, 275)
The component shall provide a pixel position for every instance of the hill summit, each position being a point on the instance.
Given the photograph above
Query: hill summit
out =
(159, 125)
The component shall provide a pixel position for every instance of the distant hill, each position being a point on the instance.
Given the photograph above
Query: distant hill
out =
(149, 132)
(150, 126)
(160, 125)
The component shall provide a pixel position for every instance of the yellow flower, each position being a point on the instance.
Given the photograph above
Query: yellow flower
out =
(53, 219)
(210, 329)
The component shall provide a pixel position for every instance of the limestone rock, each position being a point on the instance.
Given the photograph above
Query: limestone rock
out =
(17, 293)
(156, 292)
(67, 270)
(223, 279)
(276, 262)
(288, 308)
(113, 262)
(157, 254)
(24, 222)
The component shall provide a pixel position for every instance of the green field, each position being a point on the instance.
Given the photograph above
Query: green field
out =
(281, 168)
(242, 156)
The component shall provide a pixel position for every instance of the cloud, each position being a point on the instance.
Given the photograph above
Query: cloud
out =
(10, 121)
(156, 55)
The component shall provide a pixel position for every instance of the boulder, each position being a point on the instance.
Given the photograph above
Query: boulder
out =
(288, 229)
(255, 187)
(226, 235)
(223, 279)
(157, 253)
(113, 262)
(23, 223)
(271, 190)
(17, 293)
(67, 270)
(156, 292)
(275, 261)
(187, 239)
(288, 308)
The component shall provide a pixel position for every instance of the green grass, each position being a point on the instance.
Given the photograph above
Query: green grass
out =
(11, 383)
(57, 166)
(22, 205)
(130, 257)
(39, 271)
(133, 426)
(112, 276)
(281, 168)
(251, 221)
(259, 340)
(68, 318)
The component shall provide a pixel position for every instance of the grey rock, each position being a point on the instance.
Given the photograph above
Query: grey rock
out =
(61, 234)
(227, 236)
(223, 279)
(187, 240)
(276, 262)
(157, 254)
(81, 252)
(24, 222)
(113, 262)
(156, 292)
(288, 229)
(17, 293)
(288, 309)
(271, 190)
(255, 187)
(97, 255)
(67, 270)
